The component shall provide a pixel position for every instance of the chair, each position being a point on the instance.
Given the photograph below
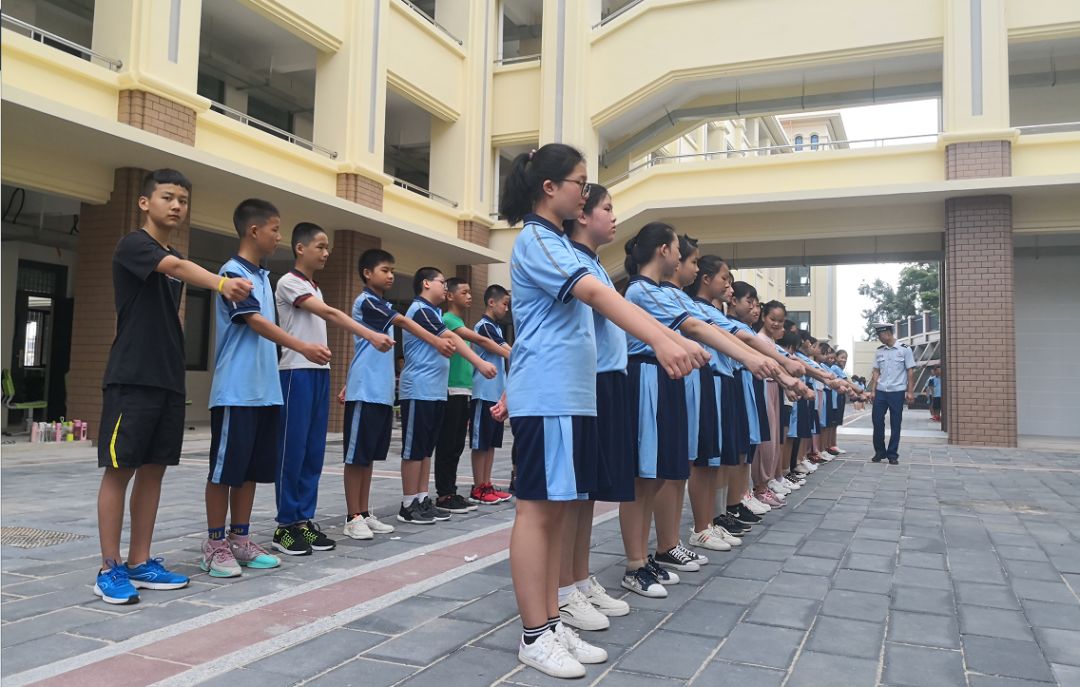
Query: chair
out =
(9, 397)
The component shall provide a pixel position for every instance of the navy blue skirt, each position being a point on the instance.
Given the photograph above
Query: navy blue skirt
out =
(616, 468)
(762, 410)
(734, 440)
(658, 421)
(709, 440)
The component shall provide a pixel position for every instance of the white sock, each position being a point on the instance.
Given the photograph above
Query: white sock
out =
(407, 500)
(584, 586)
(422, 495)
(565, 592)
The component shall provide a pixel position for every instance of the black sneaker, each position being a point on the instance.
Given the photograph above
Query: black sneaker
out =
(315, 538)
(427, 506)
(664, 576)
(642, 581)
(453, 503)
(795, 477)
(877, 458)
(291, 541)
(676, 559)
(414, 515)
(729, 523)
(743, 515)
(894, 461)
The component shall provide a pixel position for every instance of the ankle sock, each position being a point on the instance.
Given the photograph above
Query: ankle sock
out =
(531, 634)
(239, 530)
(584, 586)
(565, 592)
(216, 533)
(407, 500)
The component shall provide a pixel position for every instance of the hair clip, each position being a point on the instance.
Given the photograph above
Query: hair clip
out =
(531, 153)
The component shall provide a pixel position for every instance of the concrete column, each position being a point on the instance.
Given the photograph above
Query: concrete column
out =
(565, 77)
(975, 78)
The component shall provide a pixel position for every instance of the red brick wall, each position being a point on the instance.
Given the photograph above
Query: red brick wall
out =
(157, 115)
(476, 275)
(978, 159)
(980, 357)
(360, 189)
(341, 284)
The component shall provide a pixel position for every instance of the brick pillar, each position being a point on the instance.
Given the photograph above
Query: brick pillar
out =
(341, 284)
(94, 319)
(476, 275)
(978, 159)
(360, 189)
(157, 115)
(980, 357)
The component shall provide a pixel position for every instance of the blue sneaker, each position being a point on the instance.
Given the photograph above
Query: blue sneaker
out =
(153, 575)
(114, 586)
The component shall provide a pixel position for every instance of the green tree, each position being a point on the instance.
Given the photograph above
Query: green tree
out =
(916, 291)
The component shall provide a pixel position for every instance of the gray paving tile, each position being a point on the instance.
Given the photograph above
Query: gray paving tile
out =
(992, 595)
(784, 611)
(618, 678)
(810, 565)
(428, 642)
(44, 650)
(863, 581)
(363, 672)
(923, 629)
(1006, 657)
(1059, 616)
(48, 624)
(725, 674)
(244, 677)
(823, 670)
(800, 585)
(1060, 646)
(653, 656)
(916, 666)
(494, 608)
(317, 655)
(405, 615)
(994, 622)
(752, 570)
(705, 618)
(846, 637)
(1067, 676)
(1038, 590)
(763, 645)
(469, 587)
(734, 591)
(923, 600)
(842, 603)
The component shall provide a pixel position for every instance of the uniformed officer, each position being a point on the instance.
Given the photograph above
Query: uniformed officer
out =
(892, 384)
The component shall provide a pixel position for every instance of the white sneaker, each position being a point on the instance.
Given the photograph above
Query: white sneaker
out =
(377, 526)
(827, 457)
(779, 487)
(578, 612)
(357, 529)
(810, 467)
(604, 602)
(577, 647)
(548, 655)
(777, 495)
(802, 468)
(840, 451)
(756, 507)
(708, 539)
(729, 538)
(791, 486)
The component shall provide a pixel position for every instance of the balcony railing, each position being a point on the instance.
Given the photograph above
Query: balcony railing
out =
(244, 118)
(925, 324)
(781, 149)
(618, 13)
(424, 192)
(51, 39)
(518, 59)
(431, 20)
(1049, 128)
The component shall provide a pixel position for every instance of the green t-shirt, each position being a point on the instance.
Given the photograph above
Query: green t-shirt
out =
(460, 369)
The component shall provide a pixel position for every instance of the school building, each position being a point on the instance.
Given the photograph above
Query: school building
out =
(391, 122)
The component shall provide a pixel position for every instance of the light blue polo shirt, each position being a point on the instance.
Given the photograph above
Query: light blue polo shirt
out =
(371, 372)
(659, 302)
(610, 340)
(553, 364)
(483, 388)
(934, 382)
(722, 363)
(893, 362)
(426, 371)
(736, 327)
(245, 364)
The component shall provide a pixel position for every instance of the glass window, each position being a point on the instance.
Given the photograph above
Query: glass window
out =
(814, 141)
(798, 142)
(800, 317)
(797, 281)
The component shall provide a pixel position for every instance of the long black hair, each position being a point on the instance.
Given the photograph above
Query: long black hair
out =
(596, 194)
(524, 184)
(743, 290)
(687, 246)
(641, 249)
(707, 266)
(770, 306)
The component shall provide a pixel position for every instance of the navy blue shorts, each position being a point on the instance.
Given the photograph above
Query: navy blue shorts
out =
(484, 432)
(730, 401)
(742, 421)
(709, 440)
(838, 411)
(421, 422)
(243, 444)
(366, 436)
(616, 469)
(660, 423)
(556, 457)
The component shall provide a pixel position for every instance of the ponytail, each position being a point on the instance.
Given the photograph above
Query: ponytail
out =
(708, 266)
(524, 185)
(641, 249)
(687, 246)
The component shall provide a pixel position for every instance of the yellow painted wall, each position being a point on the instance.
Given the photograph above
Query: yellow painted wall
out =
(1043, 154)
(56, 75)
(1026, 16)
(426, 66)
(54, 172)
(319, 23)
(515, 102)
(427, 213)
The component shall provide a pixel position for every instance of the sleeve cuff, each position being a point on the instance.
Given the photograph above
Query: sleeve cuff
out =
(301, 298)
(238, 315)
(680, 319)
(565, 293)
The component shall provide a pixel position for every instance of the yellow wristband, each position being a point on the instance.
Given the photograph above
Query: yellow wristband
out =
(221, 284)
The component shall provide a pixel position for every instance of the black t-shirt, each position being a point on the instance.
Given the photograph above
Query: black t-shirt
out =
(149, 346)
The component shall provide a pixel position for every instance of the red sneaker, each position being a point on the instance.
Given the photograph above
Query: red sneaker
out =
(483, 496)
(502, 495)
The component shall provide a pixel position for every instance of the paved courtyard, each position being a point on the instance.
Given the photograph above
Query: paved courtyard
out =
(958, 567)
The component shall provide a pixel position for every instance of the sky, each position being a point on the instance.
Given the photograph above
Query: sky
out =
(875, 121)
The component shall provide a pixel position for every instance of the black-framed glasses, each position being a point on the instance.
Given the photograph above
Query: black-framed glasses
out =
(585, 186)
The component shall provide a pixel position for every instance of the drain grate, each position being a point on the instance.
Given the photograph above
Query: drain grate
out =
(30, 538)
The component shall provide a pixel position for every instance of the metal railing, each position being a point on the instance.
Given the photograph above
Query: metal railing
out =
(923, 324)
(1049, 128)
(518, 60)
(244, 118)
(618, 13)
(781, 149)
(431, 20)
(424, 192)
(48, 38)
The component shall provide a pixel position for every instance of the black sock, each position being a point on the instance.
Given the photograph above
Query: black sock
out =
(531, 634)
(552, 622)
(365, 514)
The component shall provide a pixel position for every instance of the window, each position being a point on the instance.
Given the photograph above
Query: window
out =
(197, 330)
(798, 142)
(796, 281)
(800, 317)
(814, 141)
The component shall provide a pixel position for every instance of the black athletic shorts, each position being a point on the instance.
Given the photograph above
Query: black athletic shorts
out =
(140, 425)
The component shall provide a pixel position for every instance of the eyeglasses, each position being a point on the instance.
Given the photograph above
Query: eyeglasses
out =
(441, 281)
(585, 186)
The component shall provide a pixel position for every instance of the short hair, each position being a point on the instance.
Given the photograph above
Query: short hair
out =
(840, 350)
(305, 233)
(495, 291)
(372, 258)
(160, 177)
(422, 275)
(252, 211)
(826, 349)
(453, 283)
(790, 324)
(789, 340)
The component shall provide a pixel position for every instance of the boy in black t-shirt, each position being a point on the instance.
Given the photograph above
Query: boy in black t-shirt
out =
(142, 418)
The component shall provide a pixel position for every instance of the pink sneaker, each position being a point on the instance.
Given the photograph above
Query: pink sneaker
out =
(769, 499)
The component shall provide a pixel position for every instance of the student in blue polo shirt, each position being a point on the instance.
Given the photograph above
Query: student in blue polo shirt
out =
(551, 389)
(245, 396)
(369, 391)
(933, 388)
(422, 390)
(485, 434)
